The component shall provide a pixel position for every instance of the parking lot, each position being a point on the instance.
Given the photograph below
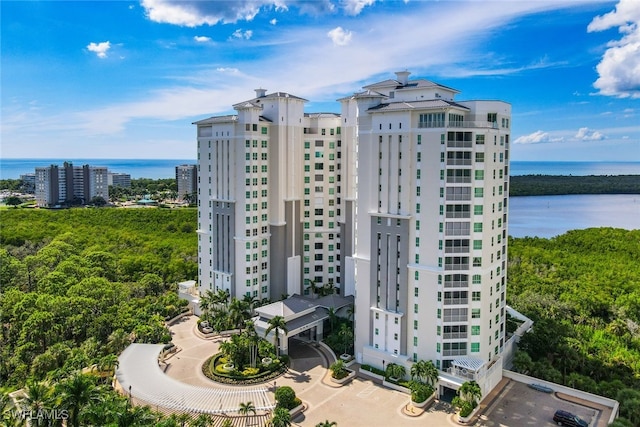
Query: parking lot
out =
(519, 406)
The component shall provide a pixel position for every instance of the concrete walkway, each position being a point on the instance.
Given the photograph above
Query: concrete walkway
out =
(358, 403)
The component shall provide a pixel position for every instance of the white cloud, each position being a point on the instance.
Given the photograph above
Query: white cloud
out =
(239, 34)
(196, 13)
(274, 21)
(586, 134)
(536, 137)
(100, 49)
(339, 36)
(212, 90)
(202, 39)
(619, 69)
(354, 7)
(193, 13)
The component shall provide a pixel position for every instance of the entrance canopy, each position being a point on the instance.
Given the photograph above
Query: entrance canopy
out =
(300, 313)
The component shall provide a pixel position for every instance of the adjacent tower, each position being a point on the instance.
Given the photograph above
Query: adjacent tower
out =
(429, 261)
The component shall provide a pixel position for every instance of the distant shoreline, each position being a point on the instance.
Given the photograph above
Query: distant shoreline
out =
(562, 185)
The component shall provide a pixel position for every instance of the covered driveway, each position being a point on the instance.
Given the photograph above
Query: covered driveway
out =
(140, 375)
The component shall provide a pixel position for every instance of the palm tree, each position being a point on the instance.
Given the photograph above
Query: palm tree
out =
(276, 324)
(281, 418)
(313, 288)
(183, 419)
(351, 311)
(251, 302)
(332, 318)
(118, 341)
(424, 371)
(254, 341)
(75, 393)
(238, 312)
(396, 371)
(227, 423)
(470, 392)
(203, 420)
(108, 364)
(327, 423)
(38, 398)
(245, 409)
(346, 334)
(207, 301)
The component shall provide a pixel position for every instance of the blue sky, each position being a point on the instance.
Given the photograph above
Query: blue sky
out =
(125, 79)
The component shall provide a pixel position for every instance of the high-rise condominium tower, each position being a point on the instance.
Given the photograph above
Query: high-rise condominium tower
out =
(401, 201)
(70, 184)
(268, 196)
(430, 226)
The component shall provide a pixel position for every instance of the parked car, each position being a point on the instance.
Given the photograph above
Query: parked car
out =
(564, 418)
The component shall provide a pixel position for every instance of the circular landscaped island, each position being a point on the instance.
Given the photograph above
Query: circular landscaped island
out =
(245, 359)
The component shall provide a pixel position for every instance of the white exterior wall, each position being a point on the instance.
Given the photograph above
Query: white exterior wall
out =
(388, 192)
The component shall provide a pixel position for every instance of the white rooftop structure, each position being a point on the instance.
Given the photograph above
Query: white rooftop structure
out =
(139, 373)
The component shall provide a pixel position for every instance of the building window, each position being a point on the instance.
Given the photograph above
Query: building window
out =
(475, 313)
(475, 347)
(395, 337)
(475, 330)
(477, 227)
(415, 341)
(475, 296)
(477, 244)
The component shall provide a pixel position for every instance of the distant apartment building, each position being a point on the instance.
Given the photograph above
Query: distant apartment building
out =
(28, 183)
(120, 180)
(400, 200)
(70, 185)
(186, 180)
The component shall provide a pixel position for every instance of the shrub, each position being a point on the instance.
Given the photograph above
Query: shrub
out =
(339, 370)
(420, 391)
(249, 372)
(372, 369)
(286, 398)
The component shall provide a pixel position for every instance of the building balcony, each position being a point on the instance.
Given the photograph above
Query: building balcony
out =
(474, 124)
(454, 335)
(456, 301)
(461, 267)
(455, 352)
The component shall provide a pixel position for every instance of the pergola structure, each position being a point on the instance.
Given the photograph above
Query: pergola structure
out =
(140, 375)
(301, 314)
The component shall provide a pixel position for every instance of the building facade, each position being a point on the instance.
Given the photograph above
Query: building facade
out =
(120, 180)
(401, 201)
(430, 249)
(70, 185)
(268, 199)
(186, 180)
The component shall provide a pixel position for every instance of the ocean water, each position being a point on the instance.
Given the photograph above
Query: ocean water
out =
(165, 168)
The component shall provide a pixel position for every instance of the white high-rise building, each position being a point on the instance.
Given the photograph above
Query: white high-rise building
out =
(401, 200)
(268, 198)
(430, 227)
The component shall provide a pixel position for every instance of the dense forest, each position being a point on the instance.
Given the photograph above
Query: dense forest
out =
(582, 289)
(77, 286)
(547, 185)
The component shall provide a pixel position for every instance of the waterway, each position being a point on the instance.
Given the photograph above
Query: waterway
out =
(548, 216)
